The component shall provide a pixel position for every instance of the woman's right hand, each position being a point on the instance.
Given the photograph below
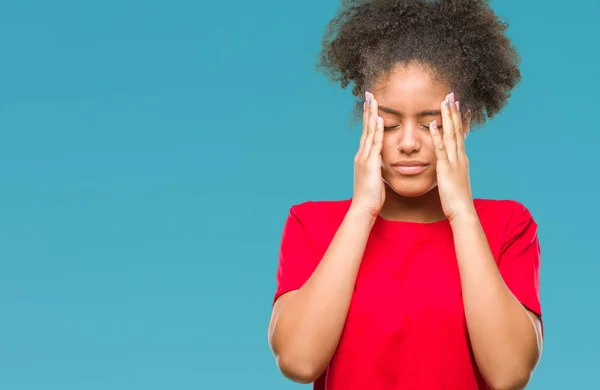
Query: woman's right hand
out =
(369, 189)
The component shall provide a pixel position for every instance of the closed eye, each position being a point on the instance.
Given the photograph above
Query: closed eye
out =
(426, 127)
(423, 126)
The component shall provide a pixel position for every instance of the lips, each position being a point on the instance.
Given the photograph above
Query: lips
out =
(410, 168)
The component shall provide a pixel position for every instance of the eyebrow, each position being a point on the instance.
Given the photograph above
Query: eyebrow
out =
(422, 113)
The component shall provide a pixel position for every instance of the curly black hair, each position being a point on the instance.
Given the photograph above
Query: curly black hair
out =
(462, 42)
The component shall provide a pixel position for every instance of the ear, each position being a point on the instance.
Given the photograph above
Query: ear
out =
(467, 123)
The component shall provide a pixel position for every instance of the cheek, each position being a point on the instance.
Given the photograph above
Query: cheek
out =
(388, 149)
(428, 147)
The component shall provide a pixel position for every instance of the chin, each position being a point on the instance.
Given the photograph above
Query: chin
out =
(411, 188)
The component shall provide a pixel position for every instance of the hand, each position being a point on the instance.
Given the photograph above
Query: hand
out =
(369, 190)
(452, 163)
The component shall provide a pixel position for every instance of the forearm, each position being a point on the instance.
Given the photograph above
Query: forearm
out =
(307, 329)
(502, 334)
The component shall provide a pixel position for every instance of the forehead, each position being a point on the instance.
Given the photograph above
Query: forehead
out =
(411, 86)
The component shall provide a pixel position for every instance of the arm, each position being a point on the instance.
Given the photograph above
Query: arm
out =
(505, 336)
(306, 324)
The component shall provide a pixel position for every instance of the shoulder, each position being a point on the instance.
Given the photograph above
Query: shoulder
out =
(501, 209)
(320, 210)
(319, 220)
(504, 218)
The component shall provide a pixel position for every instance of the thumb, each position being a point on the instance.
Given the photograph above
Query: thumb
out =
(375, 151)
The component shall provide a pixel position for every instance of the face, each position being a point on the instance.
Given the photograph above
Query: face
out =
(409, 100)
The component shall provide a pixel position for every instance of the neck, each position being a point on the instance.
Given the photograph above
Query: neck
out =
(426, 208)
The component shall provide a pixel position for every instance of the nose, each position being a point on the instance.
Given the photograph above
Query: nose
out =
(409, 142)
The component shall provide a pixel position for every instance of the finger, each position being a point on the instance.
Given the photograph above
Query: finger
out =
(363, 136)
(371, 125)
(448, 127)
(460, 131)
(438, 142)
(377, 140)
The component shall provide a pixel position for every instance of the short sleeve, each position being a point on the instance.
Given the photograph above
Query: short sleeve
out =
(297, 257)
(519, 261)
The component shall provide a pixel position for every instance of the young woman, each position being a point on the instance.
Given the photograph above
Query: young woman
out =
(412, 283)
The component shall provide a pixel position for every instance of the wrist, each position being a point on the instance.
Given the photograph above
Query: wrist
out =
(466, 217)
(360, 216)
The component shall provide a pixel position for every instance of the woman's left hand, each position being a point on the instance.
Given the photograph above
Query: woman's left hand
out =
(452, 163)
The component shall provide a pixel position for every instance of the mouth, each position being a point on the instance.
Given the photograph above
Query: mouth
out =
(410, 169)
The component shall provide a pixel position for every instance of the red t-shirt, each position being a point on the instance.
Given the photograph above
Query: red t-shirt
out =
(406, 328)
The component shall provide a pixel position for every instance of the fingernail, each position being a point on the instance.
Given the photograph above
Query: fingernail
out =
(451, 97)
(434, 125)
(379, 120)
(368, 97)
(458, 105)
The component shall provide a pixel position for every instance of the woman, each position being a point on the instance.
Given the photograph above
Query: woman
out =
(411, 283)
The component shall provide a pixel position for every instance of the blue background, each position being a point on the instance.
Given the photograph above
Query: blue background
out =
(150, 150)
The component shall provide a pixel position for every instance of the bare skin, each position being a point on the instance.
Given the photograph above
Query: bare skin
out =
(423, 122)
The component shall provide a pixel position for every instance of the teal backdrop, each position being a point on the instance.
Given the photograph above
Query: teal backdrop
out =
(150, 151)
